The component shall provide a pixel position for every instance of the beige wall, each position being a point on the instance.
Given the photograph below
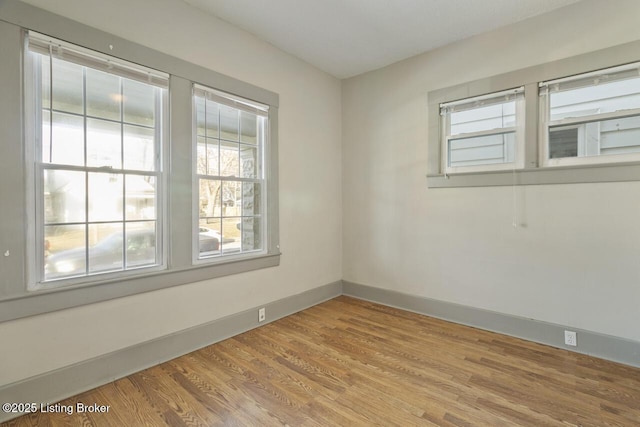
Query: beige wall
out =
(574, 259)
(310, 193)
(577, 243)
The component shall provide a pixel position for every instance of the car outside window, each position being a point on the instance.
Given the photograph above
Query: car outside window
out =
(98, 129)
(231, 137)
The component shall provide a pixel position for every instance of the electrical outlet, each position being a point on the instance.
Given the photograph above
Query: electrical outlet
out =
(570, 338)
(261, 315)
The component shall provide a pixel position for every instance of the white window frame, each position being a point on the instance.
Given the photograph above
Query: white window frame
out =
(546, 123)
(446, 108)
(35, 44)
(260, 110)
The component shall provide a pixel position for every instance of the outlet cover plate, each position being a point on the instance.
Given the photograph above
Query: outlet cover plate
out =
(570, 338)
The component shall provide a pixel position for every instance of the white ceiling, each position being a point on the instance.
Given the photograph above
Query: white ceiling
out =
(350, 37)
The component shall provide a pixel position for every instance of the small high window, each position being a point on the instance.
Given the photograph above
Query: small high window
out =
(592, 117)
(483, 133)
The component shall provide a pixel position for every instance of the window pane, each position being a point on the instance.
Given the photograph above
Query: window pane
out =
(67, 87)
(213, 119)
(209, 237)
(229, 123)
(251, 196)
(46, 148)
(620, 136)
(201, 156)
(210, 198)
(482, 150)
(200, 118)
(139, 148)
(64, 196)
(105, 247)
(563, 142)
(605, 137)
(140, 197)
(105, 197)
(45, 80)
(141, 244)
(139, 102)
(229, 159)
(248, 127)
(104, 143)
(103, 95)
(235, 155)
(248, 161)
(600, 98)
(64, 251)
(251, 237)
(484, 118)
(231, 198)
(231, 241)
(213, 157)
(95, 220)
(67, 147)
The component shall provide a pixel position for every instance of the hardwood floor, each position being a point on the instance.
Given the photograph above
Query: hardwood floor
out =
(348, 362)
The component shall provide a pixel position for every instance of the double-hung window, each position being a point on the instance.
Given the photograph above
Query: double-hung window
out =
(592, 117)
(573, 120)
(122, 171)
(230, 143)
(483, 133)
(97, 126)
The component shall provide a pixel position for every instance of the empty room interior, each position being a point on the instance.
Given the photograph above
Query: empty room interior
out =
(315, 213)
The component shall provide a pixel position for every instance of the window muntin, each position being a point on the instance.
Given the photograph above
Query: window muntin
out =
(23, 294)
(592, 117)
(97, 156)
(231, 137)
(483, 133)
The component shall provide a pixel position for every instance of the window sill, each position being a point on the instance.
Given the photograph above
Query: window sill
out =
(618, 172)
(48, 300)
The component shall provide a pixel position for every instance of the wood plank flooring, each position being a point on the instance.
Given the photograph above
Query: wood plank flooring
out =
(348, 362)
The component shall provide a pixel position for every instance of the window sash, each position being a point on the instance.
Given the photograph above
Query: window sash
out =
(584, 156)
(512, 159)
(151, 260)
(261, 111)
(587, 120)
